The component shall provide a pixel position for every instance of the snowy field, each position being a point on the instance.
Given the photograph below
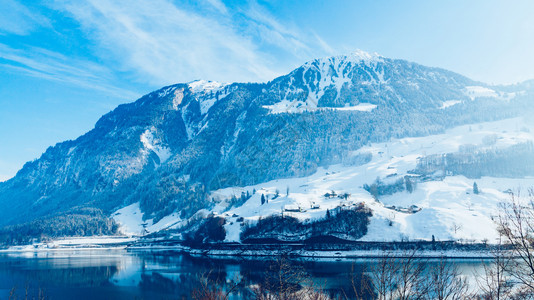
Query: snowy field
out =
(89, 243)
(449, 208)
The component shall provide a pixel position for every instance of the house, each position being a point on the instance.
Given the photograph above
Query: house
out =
(292, 208)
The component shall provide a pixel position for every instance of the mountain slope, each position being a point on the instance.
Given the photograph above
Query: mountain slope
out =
(168, 150)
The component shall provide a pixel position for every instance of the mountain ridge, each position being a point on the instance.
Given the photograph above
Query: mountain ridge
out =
(169, 148)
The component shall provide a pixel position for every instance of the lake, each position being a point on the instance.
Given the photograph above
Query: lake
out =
(122, 274)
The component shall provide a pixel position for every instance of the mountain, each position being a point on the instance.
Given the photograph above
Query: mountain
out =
(169, 150)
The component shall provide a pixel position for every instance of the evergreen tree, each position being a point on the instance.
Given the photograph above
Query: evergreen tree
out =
(262, 199)
(475, 188)
(409, 184)
(373, 190)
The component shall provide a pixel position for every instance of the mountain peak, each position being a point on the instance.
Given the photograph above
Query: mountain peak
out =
(355, 57)
(360, 55)
(198, 86)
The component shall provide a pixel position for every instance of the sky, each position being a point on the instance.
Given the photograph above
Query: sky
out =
(63, 64)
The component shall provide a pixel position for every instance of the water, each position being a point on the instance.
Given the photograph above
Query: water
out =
(119, 274)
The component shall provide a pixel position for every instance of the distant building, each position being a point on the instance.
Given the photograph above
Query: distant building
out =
(292, 208)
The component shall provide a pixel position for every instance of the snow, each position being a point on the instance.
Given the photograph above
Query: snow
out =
(166, 91)
(357, 56)
(198, 86)
(479, 91)
(100, 240)
(130, 219)
(286, 106)
(449, 209)
(335, 72)
(79, 243)
(153, 144)
(359, 107)
(331, 73)
(177, 99)
(208, 92)
(345, 254)
(165, 223)
(131, 223)
(449, 103)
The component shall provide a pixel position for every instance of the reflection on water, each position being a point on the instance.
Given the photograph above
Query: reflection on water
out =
(118, 274)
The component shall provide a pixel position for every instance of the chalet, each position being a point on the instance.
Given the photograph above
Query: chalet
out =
(292, 208)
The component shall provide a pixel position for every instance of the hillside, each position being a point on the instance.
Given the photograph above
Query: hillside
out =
(169, 154)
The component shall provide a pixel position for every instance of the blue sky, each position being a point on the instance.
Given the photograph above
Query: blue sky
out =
(63, 64)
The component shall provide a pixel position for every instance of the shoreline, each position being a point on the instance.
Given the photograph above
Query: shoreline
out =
(417, 249)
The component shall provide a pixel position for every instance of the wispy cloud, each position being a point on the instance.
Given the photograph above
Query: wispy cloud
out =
(164, 42)
(45, 64)
(159, 42)
(274, 32)
(218, 5)
(15, 18)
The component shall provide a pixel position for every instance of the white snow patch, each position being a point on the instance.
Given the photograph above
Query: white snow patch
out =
(130, 220)
(166, 91)
(177, 99)
(286, 106)
(208, 92)
(474, 92)
(449, 103)
(153, 144)
(359, 107)
(198, 86)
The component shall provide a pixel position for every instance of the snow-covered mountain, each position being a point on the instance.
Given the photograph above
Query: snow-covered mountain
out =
(160, 160)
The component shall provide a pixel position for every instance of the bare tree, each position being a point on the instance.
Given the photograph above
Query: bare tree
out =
(399, 277)
(456, 227)
(359, 284)
(27, 294)
(285, 281)
(214, 289)
(516, 225)
(411, 283)
(446, 283)
(383, 276)
(495, 283)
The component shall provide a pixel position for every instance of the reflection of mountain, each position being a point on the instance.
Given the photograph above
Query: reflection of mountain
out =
(165, 276)
(38, 272)
(129, 272)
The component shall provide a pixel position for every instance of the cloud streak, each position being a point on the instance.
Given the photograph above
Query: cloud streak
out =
(49, 65)
(164, 43)
(15, 18)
